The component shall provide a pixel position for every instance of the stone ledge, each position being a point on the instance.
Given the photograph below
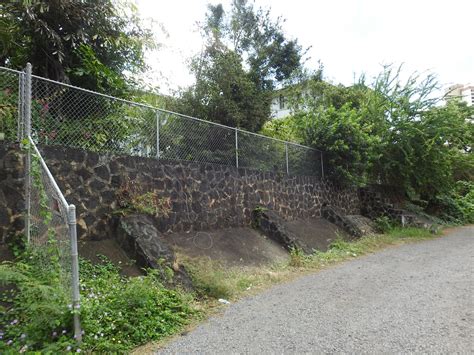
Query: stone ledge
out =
(140, 239)
(355, 225)
(273, 226)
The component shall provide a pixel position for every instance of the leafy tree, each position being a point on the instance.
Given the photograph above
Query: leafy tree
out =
(421, 141)
(245, 57)
(344, 137)
(330, 118)
(252, 34)
(390, 131)
(226, 94)
(92, 44)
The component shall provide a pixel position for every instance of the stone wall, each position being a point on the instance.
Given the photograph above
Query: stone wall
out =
(12, 201)
(202, 196)
(381, 200)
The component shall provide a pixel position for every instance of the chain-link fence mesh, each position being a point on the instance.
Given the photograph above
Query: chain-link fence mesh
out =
(63, 115)
(304, 161)
(55, 113)
(51, 227)
(48, 221)
(184, 138)
(258, 152)
(69, 116)
(10, 81)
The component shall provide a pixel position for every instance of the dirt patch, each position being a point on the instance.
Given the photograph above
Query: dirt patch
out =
(316, 233)
(234, 246)
(110, 248)
(5, 253)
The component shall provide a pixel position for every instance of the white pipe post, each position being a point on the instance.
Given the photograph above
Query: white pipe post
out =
(158, 124)
(27, 124)
(71, 216)
(21, 115)
(236, 148)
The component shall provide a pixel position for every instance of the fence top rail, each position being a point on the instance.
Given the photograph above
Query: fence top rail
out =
(12, 70)
(163, 110)
(48, 173)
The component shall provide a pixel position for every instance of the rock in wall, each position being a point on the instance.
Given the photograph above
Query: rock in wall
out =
(12, 202)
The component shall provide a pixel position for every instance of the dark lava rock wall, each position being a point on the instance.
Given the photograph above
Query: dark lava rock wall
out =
(202, 196)
(12, 202)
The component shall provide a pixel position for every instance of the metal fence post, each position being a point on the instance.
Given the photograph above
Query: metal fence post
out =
(286, 154)
(158, 124)
(28, 100)
(322, 166)
(21, 102)
(27, 127)
(236, 148)
(71, 216)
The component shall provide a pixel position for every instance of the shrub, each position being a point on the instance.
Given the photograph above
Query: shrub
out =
(132, 198)
(458, 205)
(383, 224)
(117, 313)
(36, 315)
(120, 313)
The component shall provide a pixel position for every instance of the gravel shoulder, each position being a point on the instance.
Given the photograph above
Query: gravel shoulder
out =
(413, 298)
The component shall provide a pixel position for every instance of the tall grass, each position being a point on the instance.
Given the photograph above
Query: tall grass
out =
(215, 280)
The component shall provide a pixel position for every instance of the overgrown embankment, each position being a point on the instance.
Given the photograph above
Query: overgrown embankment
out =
(120, 313)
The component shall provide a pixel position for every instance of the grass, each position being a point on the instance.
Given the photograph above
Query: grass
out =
(119, 314)
(214, 280)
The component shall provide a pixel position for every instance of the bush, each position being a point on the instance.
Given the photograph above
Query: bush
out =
(117, 313)
(383, 224)
(211, 278)
(458, 205)
(36, 315)
(120, 313)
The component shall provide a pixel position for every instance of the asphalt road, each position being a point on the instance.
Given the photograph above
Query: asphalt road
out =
(413, 298)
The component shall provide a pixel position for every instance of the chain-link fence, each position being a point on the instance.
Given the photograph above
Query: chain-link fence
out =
(50, 222)
(11, 82)
(51, 227)
(65, 115)
(43, 111)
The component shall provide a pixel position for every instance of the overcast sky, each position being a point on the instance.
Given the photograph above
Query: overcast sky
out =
(348, 36)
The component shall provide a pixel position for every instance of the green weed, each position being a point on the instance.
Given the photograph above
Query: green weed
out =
(117, 313)
(216, 280)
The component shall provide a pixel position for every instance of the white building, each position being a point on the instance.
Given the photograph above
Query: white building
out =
(280, 107)
(463, 92)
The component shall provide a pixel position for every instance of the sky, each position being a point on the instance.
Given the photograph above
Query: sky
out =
(349, 37)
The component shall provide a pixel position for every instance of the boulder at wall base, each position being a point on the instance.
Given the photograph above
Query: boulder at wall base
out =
(140, 239)
(356, 225)
(273, 226)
